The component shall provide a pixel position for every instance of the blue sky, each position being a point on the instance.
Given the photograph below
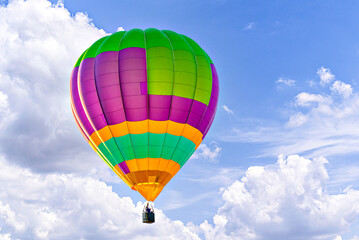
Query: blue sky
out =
(281, 158)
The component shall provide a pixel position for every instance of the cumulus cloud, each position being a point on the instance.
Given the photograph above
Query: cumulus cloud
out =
(287, 200)
(325, 75)
(207, 152)
(63, 206)
(285, 82)
(39, 44)
(297, 119)
(306, 99)
(325, 123)
(227, 109)
(341, 88)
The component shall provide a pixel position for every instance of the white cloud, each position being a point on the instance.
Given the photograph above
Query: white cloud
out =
(63, 206)
(319, 124)
(39, 44)
(227, 109)
(297, 119)
(325, 75)
(249, 26)
(285, 82)
(204, 152)
(120, 29)
(284, 201)
(341, 88)
(306, 99)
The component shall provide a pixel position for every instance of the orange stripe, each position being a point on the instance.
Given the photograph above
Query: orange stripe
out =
(124, 128)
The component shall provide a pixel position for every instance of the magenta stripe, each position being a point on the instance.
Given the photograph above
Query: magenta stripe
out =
(123, 166)
(210, 113)
(121, 94)
(108, 87)
(89, 93)
(77, 103)
(132, 72)
(159, 107)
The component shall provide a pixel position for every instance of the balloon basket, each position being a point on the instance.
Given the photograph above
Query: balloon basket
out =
(148, 217)
(148, 213)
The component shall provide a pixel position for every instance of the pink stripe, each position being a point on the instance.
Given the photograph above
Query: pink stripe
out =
(77, 103)
(89, 93)
(108, 87)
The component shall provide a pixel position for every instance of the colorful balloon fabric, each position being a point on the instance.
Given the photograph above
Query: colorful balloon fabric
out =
(144, 100)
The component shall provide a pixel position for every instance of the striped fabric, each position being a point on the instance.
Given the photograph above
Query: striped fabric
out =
(144, 100)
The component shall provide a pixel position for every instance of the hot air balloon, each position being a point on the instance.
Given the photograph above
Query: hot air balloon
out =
(144, 100)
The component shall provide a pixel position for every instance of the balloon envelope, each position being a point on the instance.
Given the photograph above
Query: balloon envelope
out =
(144, 100)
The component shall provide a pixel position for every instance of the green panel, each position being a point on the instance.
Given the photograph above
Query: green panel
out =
(196, 48)
(140, 144)
(179, 156)
(185, 91)
(184, 55)
(112, 43)
(113, 148)
(171, 140)
(188, 156)
(154, 151)
(155, 38)
(124, 141)
(133, 38)
(204, 72)
(107, 154)
(185, 69)
(187, 78)
(91, 52)
(159, 52)
(177, 40)
(186, 145)
(156, 139)
(128, 153)
(141, 151)
(159, 63)
(167, 152)
(139, 139)
(80, 59)
(144, 145)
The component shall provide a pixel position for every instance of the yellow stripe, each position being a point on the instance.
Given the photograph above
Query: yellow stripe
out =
(124, 128)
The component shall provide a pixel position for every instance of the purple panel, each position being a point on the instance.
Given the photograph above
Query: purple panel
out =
(159, 101)
(123, 166)
(197, 111)
(133, 74)
(209, 115)
(107, 79)
(112, 104)
(178, 115)
(181, 103)
(77, 103)
(108, 87)
(115, 117)
(144, 88)
(132, 52)
(159, 114)
(106, 93)
(131, 89)
(138, 114)
(90, 100)
(137, 101)
(159, 107)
